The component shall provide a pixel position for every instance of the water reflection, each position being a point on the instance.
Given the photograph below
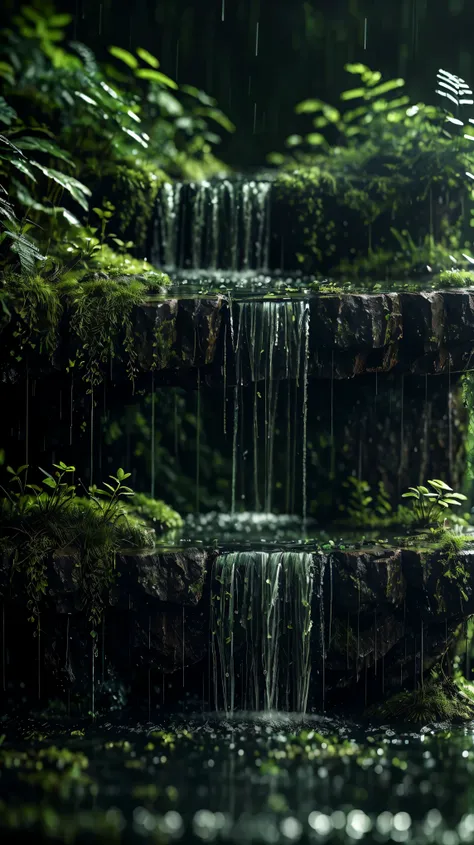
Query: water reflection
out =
(268, 778)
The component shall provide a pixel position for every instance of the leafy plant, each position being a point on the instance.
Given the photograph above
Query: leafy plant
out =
(85, 131)
(364, 509)
(430, 506)
(99, 309)
(37, 520)
(361, 160)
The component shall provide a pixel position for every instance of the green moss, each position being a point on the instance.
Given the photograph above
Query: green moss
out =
(38, 523)
(435, 701)
(453, 568)
(154, 512)
(99, 309)
(457, 278)
(163, 340)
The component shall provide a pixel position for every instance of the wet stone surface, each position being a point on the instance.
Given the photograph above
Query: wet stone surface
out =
(366, 619)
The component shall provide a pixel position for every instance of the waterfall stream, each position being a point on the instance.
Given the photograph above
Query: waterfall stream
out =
(213, 225)
(272, 346)
(261, 611)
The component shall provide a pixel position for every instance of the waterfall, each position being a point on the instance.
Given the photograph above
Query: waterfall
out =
(213, 225)
(169, 206)
(261, 615)
(272, 345)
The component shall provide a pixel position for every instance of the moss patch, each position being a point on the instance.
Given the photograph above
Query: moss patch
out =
(435, 701)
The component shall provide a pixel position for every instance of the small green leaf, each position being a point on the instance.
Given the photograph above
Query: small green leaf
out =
(156, 76)
(124, 56)
(315, 139)
(390, 85)
(309, 107)
(440, 485)
(353, 94)
(356, 68)
(147, 57)
(293, 140)
(59, 20)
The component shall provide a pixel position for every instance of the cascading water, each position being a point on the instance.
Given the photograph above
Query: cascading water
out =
(213, 225)
(261, 603)
(272, 346)
(261, 622)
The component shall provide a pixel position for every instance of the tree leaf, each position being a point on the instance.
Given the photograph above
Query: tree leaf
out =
(353, 94)
(356, 68)
(390, 85)
(293, 140)
(60, 20)
(198, 95)
(315, 139)
(20, 165)
(50, 482)
(309, 106)
(7, 114)
(156, 76)
(218, 116)
(44, 146)
(124, 56)
(441, 485)
(147, 57)
(76, 189)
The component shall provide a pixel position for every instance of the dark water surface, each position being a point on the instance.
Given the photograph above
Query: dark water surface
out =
(265, 778)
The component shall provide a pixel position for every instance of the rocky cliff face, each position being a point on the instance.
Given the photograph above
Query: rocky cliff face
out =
(385, 616)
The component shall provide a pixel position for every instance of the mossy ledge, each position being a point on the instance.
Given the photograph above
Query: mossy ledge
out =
(391, 615)
(151, 331)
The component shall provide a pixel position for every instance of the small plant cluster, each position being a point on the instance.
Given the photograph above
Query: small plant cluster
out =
(430, 506)
(38, 520)
(393, 170)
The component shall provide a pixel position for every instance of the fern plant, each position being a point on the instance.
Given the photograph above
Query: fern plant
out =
(367, 155)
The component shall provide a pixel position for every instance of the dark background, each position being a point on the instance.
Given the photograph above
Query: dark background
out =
(302, 49)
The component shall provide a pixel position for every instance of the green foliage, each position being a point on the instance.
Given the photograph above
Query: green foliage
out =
(430, 506)
(99, 308)
(154, 512)
(392, 170)
(457, 278)
(365, 509)
(83, 131)
(176, 426)
(435, 701)
(40, 520)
